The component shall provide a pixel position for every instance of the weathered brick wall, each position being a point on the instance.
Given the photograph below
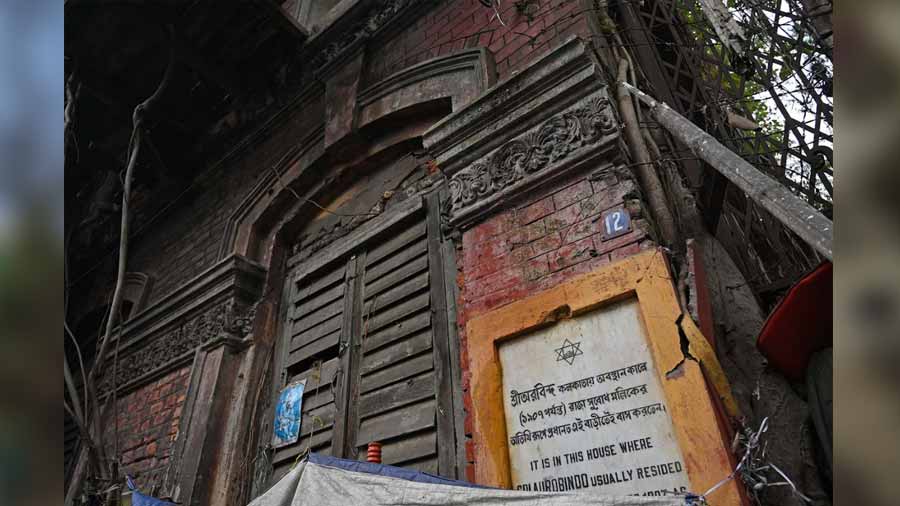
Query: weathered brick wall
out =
(147, 428)
(186, 240)
(543, 241)
(458, 24)
(551, 236)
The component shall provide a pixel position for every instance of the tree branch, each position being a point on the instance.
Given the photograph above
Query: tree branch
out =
(138, 118)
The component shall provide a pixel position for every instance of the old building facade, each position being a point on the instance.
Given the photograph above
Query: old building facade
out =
(364, 189)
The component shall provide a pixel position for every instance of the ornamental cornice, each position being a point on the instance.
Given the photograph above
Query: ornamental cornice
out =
(216, 304)
(547, 120)
(541, 153)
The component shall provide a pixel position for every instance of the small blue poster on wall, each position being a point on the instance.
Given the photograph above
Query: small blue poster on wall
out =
(287, 415)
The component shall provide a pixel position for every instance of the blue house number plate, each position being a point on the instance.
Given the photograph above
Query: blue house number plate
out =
(616, 222)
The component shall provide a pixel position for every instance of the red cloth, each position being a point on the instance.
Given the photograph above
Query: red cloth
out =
(800, 325)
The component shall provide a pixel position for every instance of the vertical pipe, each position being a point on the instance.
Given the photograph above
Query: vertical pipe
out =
(645, 169)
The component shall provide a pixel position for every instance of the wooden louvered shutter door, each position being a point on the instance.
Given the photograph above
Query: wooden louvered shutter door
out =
(397, 386)
(312, 342)
(403, 350)
(367, 326)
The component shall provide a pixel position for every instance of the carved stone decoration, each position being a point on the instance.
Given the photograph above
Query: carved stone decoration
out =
(218, 320)
(585, 123)
(311, 244)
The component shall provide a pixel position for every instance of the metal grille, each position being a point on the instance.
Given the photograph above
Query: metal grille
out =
(781, 78)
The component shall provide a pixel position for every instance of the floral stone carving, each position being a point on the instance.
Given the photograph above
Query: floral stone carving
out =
(224, 318)
(551, 142)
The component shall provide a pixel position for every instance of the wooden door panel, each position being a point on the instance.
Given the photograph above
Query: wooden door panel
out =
(366, 318)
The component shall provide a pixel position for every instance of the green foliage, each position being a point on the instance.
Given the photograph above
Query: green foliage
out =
(746, 97)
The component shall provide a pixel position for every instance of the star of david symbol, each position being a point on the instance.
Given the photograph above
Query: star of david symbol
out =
(568, 351)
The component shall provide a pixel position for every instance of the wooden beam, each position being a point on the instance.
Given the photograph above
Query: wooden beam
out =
(440, 332)
(346, 418)
(448, 258)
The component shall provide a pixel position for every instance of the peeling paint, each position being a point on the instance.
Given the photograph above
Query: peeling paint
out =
(676, 372)
(560, 313)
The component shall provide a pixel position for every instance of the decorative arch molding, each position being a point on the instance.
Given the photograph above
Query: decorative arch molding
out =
(461, 77)
(391, 113)
(236, 238)
(278, 203)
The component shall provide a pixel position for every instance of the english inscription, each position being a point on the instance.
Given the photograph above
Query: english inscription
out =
(585, 410)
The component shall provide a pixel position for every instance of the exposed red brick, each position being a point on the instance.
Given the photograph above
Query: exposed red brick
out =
(483, 257)
(578, 191)
(470, 473)
(534, 211)
(571, 254)
(610, 197)
(608, 246)
(131, 442)
(503, 279)
(523, 252)
(497, 298)
(547, 243)
(528, 233)
(625, 251)
(184, 246)
(570, 272)
(536, 268)
(564, 218)
(582, 229)
(498, 224)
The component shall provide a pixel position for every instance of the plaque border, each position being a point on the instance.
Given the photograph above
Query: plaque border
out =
(646, 277)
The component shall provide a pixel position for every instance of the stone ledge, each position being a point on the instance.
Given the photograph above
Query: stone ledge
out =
(470, 72)
(577, 137)
(215, 304)
(554, 117)
(556, 80)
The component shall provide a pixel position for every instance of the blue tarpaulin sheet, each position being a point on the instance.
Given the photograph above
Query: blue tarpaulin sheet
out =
(139, 499)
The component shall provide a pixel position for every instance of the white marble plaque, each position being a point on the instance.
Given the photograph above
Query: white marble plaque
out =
(585, 410)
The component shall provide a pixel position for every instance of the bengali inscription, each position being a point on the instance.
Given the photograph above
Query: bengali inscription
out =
(598, 424)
